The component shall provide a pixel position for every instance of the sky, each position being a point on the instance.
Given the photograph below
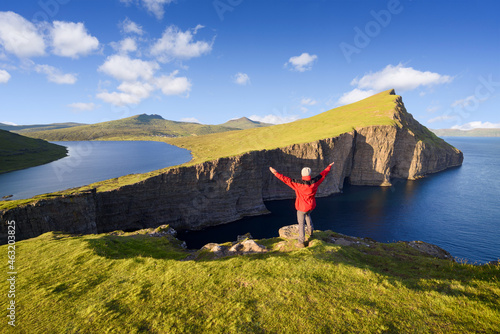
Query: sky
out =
(275, 61)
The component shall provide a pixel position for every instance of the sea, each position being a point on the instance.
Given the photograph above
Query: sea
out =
(457, 209)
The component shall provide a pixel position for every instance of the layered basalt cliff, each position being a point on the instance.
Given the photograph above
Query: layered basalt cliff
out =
(226, 189)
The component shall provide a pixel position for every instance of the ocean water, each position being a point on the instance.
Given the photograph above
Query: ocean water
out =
(91, 161)
(457, 209)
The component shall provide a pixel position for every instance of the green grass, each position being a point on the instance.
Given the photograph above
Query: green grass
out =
(376, 110)
(152, 126)
(134, 283)
(18, 152)
(244, 123)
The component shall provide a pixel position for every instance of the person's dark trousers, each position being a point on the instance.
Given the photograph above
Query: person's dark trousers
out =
(301, 218)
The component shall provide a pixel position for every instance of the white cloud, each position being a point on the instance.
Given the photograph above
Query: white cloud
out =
(354, 96)
(81, 106)
(156, 7)
(19, 36)
(130, 27)
(172, 85)
(141, 90)
(442, 118)
(125, 45)
(464, 102)
(477, 125)
(118, 99)
(274, 119)
(55, 75)
(71, 39)
(241, 79)
(400, 78)
(8, 123)
(190, 120)
(131, 93)
(308, 102)
(123, 68)
(4, 76)
(179, 44)
(302, 63)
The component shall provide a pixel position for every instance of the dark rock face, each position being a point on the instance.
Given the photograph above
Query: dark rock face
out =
(226, 189)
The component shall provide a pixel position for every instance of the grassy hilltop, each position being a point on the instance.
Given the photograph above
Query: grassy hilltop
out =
(378, 109)
(18, 152)
(138, 283)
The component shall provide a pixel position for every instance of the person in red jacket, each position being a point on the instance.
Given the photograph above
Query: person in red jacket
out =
(305, 202)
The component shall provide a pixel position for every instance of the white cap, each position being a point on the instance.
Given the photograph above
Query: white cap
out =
(306, 171)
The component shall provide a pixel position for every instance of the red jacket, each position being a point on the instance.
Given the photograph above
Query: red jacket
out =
(305, 189)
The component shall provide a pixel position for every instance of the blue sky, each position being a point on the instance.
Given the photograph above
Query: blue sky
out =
(274, 61)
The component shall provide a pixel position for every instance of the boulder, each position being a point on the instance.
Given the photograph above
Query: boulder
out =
(290, 232)
(430, 249)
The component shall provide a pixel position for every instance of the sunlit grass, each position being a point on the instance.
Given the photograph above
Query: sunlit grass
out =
(378, 109)
(136, 283)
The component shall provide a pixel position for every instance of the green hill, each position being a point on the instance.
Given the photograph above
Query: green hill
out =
(141, 283)
(244, 123)
(135, 127)
(18, 152)
(37, 127)
(378, 109)
(467, 133)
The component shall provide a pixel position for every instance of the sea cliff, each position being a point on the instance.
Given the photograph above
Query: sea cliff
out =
(228, 188)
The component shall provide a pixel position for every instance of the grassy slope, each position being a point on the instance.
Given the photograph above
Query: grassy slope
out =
(136, 284)
(135, 127)
(244, 123)
(468, 133)
(18, 152)
(375, 110)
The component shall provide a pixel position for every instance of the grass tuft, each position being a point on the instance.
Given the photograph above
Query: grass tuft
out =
(137, 283)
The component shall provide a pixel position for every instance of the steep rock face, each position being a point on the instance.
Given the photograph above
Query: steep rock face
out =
(71, 214)
(226, 189)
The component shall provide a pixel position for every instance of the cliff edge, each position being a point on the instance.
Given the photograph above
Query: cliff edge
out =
(372, 142)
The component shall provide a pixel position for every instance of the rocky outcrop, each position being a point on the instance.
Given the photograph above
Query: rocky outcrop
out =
(226, 189)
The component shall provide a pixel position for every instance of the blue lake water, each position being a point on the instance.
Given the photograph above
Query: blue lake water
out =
(457, 209)
(91, 161)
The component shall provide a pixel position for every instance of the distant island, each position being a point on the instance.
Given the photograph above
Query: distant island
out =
(467, 133)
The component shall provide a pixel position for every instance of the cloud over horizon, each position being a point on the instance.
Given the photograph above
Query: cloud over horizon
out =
(398, 77)
(477, 125)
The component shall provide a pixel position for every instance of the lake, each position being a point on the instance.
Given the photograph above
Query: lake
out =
(89, 162)
(457, 209)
